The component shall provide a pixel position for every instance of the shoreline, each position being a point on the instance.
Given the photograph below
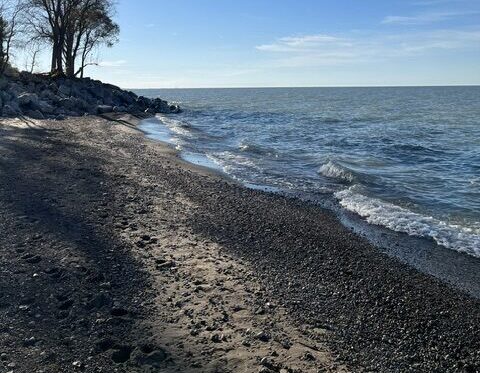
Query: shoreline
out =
(218, 275)
(458, 269)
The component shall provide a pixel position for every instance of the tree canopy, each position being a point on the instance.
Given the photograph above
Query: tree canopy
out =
(73, 30)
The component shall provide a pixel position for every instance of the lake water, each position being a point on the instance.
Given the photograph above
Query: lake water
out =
(404, 158)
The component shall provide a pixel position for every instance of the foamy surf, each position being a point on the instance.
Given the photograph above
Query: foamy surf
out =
(400, 219)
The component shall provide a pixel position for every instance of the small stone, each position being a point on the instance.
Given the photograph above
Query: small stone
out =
(100, 300)
(264, 370)
(166, 265)
(265, 362)
(34, 259)
(286, 344)
(118, 311)
(216, 338)
(308, 356)
(122, 354)
(263, 336)
(28, 342)
(77, 364)
(66, 305)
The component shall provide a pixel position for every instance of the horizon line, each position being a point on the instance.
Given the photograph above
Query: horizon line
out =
(326, 86)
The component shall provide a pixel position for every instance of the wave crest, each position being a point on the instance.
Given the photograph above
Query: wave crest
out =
(333, 170)
(399, 219)
(252, 148)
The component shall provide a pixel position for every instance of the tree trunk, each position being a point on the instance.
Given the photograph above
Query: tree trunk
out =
(70, 54)
(54, 59)
(59, 57)
(2, 50)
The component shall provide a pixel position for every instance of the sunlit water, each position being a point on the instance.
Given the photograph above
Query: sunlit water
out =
(404, 158)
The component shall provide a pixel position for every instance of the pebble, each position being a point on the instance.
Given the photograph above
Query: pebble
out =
(77, 364)
(263, 336)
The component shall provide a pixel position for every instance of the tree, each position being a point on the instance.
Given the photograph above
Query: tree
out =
(3, 32)
(10, 14)
(73, 28)
(49, 20)
(91, 27)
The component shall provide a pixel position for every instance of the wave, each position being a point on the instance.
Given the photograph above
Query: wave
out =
(231, 163)
(414, 148)
(399, 219)
(334, 170)
(177, 126)
(331, 120)
(255, 149)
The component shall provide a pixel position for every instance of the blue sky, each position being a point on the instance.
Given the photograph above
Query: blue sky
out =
(233, 43)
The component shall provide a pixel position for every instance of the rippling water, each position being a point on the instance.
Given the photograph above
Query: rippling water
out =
(404, 158)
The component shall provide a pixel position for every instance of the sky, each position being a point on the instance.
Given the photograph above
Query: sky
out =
(279, 43)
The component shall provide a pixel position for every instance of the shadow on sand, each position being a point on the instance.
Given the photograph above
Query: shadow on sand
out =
(69, 288)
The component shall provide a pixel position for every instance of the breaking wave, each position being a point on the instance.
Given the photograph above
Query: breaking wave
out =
(400, 219)
(334, 170)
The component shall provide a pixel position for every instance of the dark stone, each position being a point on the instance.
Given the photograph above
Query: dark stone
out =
(122, 354)
(263, 336)
(118, 312)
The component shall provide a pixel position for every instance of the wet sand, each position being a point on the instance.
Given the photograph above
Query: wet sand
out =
(118, 256)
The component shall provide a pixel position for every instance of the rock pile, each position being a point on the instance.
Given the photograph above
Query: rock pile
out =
(42, 97)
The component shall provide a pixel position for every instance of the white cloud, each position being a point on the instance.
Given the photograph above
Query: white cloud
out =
(437, 2)
(425, 18)
(306, 42)
(322, 50)
(117, 63)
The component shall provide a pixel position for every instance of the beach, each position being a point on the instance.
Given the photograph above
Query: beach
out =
(140, 261)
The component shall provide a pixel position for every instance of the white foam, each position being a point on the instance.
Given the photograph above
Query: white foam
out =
(397, 218)
(175, 126)
(333, 170)
(231, 162)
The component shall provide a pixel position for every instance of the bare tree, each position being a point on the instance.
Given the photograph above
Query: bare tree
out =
(49, 20)
(92, 26)
(102, 31)
(10, 16)
(31, 62)
(73, 28)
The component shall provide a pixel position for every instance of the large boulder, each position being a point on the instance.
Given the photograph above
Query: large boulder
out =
(45, 107)
(35, 114)
(104, 109)
(120, 109)
(9, 111)
(28, 100)
(162, 106)
(48, 95)
(64, 90)
(74, 104)
(3, 84)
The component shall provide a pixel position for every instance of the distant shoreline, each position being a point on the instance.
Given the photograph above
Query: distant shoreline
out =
(293, 87)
